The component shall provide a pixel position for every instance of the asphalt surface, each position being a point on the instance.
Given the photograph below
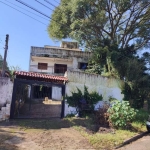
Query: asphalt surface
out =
(141, 144)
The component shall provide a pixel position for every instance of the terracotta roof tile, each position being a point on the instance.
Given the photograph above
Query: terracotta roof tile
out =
(23, 74)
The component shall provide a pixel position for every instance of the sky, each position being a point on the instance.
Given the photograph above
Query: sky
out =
(24, 31)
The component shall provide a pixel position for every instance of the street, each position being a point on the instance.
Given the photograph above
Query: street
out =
(141, 144)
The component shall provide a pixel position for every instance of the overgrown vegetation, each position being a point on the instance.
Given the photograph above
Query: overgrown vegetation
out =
(83, 100)
(1, 65)
(113, 138)
(121, 114)
(101, 116)
(114, 37)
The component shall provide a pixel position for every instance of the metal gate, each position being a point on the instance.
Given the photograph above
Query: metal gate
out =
(33, 99)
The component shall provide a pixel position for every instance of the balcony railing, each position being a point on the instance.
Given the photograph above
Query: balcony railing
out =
(58, 53)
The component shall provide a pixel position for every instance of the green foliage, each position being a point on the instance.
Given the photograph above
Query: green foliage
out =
(141, 116)
(110, 60)
(91, 98)
(12, 70)
(1, 64)
(91, 22)
(70, 115)
(121, 114)
(113, 34)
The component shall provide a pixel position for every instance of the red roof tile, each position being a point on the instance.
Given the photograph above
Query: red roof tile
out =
(23, 74)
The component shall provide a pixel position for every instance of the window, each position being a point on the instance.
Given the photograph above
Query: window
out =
(60, 68)
(42, 66)
(83, 65)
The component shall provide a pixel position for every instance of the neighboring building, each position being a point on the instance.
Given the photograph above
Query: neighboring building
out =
(58, 60)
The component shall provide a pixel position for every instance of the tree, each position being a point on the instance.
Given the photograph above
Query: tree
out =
(91, 22)
(12, 70)
(1, 64)
(113, 30)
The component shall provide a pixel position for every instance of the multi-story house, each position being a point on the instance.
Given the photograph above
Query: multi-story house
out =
(58, 60)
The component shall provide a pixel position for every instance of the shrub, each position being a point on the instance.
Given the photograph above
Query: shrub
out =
(78, 98)
(141, 116)
(121, 114)
(101, 115)
(70, 115)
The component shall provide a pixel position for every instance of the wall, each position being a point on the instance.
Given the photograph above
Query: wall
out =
(6, 88)
(72, 63)
(56, 93)
(103, 85)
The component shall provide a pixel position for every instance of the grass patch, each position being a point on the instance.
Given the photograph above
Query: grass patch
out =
(110, 140)
(87, 128)
(107, 140)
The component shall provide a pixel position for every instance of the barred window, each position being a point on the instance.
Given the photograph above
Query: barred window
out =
(60, 68)
(42, 66)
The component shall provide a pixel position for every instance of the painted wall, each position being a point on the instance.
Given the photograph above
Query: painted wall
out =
(56, 55)
(6, 88)
(56, 93)
(103, 85)
(72, 63)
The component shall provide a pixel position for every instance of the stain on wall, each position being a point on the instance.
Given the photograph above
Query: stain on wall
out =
(103, 85)
(6, 88)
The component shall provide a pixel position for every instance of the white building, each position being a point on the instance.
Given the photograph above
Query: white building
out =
(58, 60)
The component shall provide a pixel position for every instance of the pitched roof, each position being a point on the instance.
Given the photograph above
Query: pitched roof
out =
(39, 76)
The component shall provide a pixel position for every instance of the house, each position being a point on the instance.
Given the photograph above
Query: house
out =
(58, 60)
(45, 82)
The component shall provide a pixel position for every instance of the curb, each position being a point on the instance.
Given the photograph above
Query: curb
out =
(132, 139)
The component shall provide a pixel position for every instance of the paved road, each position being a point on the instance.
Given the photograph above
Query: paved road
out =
(141, 144)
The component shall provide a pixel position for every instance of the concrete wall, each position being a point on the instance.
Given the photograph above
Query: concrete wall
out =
(6, 88)
(103, 85)
(56, 93)
(72, 63)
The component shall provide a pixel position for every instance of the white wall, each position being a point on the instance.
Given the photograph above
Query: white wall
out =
(72, 63)
(103, 85)
(6, 88)
(56, 93)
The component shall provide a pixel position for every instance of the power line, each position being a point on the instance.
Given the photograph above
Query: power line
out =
(27, 10)
(56, 2)
(33, 8)
(44, 5)
(37, 11)
(22, 12)
(50, 3)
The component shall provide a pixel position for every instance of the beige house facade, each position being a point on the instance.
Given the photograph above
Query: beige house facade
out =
(58, 60)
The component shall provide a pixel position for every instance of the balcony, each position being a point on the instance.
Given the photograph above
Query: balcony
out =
(58, 53)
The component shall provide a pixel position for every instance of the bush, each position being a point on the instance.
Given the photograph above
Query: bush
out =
(141, 116)
(70, 115)
(101, 115)
(87, 99)
(121, 114)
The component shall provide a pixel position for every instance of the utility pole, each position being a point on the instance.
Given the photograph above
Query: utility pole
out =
(5, 55)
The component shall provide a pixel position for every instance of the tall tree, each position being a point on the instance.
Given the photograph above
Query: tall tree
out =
(90, 22)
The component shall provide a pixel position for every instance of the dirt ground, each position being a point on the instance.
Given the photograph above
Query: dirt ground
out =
(41, 135)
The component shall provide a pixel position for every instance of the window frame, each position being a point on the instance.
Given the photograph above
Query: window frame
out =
(42, 66)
